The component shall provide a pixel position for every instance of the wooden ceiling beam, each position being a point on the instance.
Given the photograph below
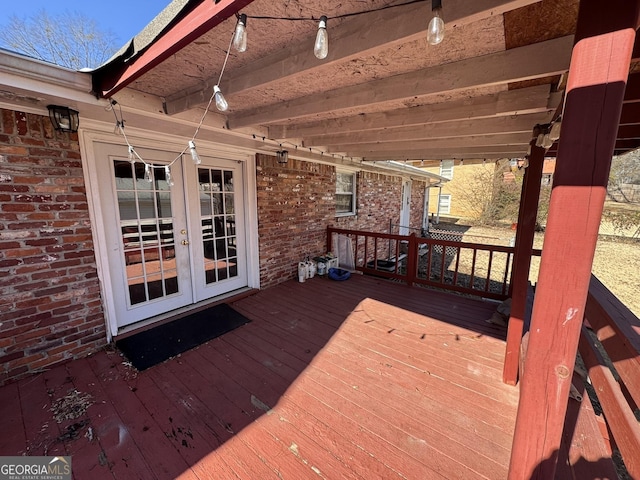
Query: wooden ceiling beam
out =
(443, 153)
(358, 36)
(457, 130)
(510, 139)
(532, 61)
(535, 99)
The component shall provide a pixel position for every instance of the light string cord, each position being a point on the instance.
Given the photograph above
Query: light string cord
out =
(344, 15)
(120, 122)
(132, 151)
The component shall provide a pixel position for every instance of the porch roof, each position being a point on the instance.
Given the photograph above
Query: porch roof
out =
(382, 93)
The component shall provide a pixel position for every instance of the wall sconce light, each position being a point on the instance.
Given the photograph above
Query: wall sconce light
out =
(283, 156)
(63, 119)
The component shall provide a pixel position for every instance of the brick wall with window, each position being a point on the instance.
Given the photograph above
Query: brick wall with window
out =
(297, 201)
(50, 307)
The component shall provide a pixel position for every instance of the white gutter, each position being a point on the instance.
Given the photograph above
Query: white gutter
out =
(403, 168)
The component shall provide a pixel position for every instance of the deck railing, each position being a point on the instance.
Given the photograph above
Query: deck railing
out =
(471, 268)
(610, 349)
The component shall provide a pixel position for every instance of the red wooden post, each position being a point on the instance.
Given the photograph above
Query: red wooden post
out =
(599, 69)
(522, 259)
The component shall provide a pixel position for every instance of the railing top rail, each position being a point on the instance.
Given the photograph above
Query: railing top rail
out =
(424, 240)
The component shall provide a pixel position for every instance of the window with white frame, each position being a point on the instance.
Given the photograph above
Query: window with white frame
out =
(445, 204)
(446, 169)
(345, 193)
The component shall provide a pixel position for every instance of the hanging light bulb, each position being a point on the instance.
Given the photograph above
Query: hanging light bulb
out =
(221, 103)
(435, 30)
(540, 140)
(132, 157)
(321, 47)
(194, 154)
(147, 173)
(554, 133)
(240, 35)
(547, 141)
(167, 175)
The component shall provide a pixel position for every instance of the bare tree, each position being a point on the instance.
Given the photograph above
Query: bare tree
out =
(624, 178)
(70, 40)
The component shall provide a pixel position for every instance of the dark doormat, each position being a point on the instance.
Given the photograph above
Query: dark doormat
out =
(153, 346)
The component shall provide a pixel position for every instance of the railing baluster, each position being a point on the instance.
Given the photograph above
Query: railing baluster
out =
(366, 251)
(506, 274)
(444, 257)
(473, 269)
(397, 257)
(455, 271)
(429, 257)
(375, 253)
(486, 285)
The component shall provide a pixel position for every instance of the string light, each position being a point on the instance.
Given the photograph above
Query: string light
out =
(147, 173)
(435, 30)
(554, 132)
(194, 154)
(240, 34)
(239, 42)
(221, 102)
(167, 175)
(321, 46)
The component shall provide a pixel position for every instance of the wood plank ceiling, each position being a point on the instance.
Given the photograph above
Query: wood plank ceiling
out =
(382, 93)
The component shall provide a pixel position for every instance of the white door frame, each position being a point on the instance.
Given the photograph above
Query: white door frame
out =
(94, 132)
(425, 209)
(405, 208)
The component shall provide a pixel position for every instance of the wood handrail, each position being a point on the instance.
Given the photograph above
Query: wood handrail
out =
(369, 248)
(614, 330)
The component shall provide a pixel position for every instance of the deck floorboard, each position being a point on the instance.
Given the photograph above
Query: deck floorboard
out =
(363, 379)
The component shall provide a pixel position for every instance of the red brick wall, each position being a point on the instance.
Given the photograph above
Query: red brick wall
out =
(417, 206)
(50, 308)
(296, 204)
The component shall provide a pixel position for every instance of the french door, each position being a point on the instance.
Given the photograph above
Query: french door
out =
(174, 231)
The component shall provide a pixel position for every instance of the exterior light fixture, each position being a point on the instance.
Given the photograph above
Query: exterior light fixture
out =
(221, 103)
(240, 35)
(283, 156)
(194, 154)
(321, 47)
(435, 30)
(554, 131)
(63, 119)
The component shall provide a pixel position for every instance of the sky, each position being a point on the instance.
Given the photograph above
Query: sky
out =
(125, 18)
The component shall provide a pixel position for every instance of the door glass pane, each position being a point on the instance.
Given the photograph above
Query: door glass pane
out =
(217, 219)
(146, 227)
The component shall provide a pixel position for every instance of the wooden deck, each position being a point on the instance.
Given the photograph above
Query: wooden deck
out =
(358, 379)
